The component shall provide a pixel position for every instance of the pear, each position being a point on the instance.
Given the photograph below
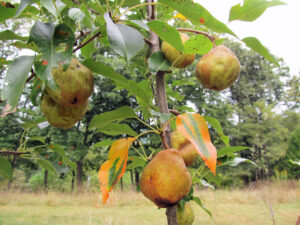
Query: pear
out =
(165, 180)
(59, 115)
(218, 69)
(75, 85)
(185, 216)
(172, 54)
(185, 147)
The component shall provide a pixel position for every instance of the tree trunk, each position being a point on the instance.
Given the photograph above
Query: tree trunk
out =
(13, 165)
(79, 176)
(122, 187)
(161, 100)
(132, 182)
(137, 180)
(73, 180)
(46, 181)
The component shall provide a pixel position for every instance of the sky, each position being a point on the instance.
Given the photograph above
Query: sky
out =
(277, 28)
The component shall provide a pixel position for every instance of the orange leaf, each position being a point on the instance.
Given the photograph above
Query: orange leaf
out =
(194, 128)
(113, 169)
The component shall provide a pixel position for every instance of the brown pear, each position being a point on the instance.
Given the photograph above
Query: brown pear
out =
(75, 85)
(185, 216)
(166, 180)
(185, 147)
(177, 59)
(218, 69)
(59, 115)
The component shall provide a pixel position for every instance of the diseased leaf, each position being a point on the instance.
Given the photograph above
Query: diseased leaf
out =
(197, 44)
(217, 126)
(251, 9)
(103, 119)
(255, 45)
(198, 15)
(15, 79)
(229, 150)
(7, 11)
(194, 128)
(115, 129)
(5, 168)
(125, 40)
(113, 169)
(9, 35)
(166, 33)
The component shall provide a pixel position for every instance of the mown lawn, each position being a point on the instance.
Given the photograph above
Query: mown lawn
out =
(251, 206)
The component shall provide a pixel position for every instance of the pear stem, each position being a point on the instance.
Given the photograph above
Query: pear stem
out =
(210, 37)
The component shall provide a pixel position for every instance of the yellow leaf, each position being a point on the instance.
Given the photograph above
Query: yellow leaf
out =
(180, 16)
(194, 128)
(113, 169)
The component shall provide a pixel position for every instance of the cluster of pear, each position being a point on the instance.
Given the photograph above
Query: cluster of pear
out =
(166, 179)
(216, 70)
(66, 105)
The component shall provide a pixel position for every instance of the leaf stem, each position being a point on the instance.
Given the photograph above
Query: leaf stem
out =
(58, 12)
(137, 151)
(210, 37)
(146, 124)
(136, 6)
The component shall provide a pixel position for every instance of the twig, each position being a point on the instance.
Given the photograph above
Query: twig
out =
(88, 41)
(164, 140)
(31, 76)
(174, 111)
(12, 152)
(82, 34)
(150, 43)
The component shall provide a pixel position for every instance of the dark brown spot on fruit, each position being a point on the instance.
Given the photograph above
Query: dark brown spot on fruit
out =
(75, 100)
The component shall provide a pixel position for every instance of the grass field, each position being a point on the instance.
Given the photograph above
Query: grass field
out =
(251, 206)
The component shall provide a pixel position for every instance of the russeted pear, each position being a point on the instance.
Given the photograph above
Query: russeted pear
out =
(166, 180)
(185, 147)
(75, 85)
(185, 216)
(59, 115)
(218, 69)
(172, 54)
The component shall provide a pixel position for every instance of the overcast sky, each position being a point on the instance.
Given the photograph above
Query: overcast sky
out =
(278, 28)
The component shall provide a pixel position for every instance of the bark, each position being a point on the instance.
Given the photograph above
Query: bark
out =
(46, 181)
(73, 180)
(79, 176)
(161, 100)
(132, 182)
(13, 165)
(122, 186)
(137, 180)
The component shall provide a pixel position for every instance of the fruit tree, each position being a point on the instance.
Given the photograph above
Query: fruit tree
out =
(144, 35)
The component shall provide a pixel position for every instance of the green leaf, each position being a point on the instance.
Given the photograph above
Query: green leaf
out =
(295, 162)
(88, 49)
(45, 164)
(22, 45)
(23, 5)
(103, 143)
(198, 44)
(199, 202)
(135, 162)
(76, 14)
(129, 3)
(157, 61)
(103, 119)
(166, 33)
(217, 126)
(138, 23)
(137, 89)
(206, 184)
(37, 138)
(7, 11)
(255, 45)
(229, 150)
(251, 9)
(5, 168)
(125, 40)
(9, 35)
(48, 4)
(115, 129)
(36, 90)
(55, 42)
(198, 15)
(15, 79)
(236, 161)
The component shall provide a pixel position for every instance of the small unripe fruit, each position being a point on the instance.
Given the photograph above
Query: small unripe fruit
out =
(185, 216)
(218, 69)
(172, 54)
(166, 180)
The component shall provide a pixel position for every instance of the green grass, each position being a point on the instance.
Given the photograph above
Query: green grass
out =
(249, 206)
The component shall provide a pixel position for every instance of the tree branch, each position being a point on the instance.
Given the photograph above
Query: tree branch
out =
(12, 152)
(88, 41)
(210, 37)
